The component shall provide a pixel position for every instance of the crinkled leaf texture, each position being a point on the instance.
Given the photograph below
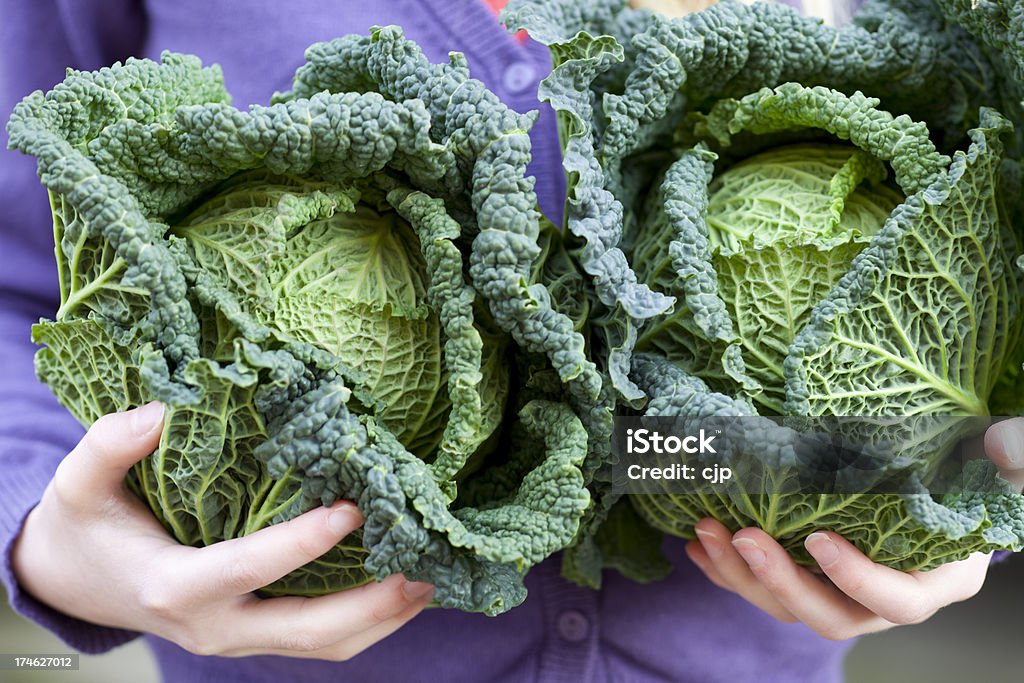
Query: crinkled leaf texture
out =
(328, 294)
(976, 511)
(901, 300)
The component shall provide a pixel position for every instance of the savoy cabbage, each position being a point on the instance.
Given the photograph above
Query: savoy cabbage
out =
(349, 293)
(781, 218)
(334, 295)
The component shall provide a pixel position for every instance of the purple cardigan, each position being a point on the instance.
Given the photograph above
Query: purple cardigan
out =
(680, 629)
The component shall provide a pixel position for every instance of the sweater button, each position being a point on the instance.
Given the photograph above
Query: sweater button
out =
(573, 626)
(518, 77)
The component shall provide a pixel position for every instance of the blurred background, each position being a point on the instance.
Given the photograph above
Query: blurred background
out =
(978, 641)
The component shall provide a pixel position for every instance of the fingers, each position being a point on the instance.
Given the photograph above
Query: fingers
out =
(898, 597)
(96, 467)
(243, 565)
(699, 556)
(819, 605)
(1004, 445)
(753, 565)
(730, 571)
(335, 626)
(203, 598)
(352, 646)
(863, 597)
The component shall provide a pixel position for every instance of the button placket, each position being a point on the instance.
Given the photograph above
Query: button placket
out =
(518, 77)
(573, 626)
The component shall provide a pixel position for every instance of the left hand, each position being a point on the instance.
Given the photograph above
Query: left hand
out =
(862, 597)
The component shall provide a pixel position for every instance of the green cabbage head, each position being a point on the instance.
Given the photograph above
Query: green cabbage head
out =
(330, 295)
(317, 264)
(781, 218)
(811, 287)
(783, 226)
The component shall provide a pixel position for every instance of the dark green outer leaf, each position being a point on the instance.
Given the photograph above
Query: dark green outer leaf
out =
(953, 324)
(125, 173)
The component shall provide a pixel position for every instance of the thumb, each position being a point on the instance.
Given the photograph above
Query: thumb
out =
(1004, 445)
(97, 465)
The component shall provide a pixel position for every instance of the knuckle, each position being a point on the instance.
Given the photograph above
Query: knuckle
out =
(311, 547)
(96, 438)
(914, 613)
(199, 643)
(161, 602)
(778, 583)
(720, 581)
(242, 575)
(852, 583)
(970, 588)
(911, 609)
(727, 584)
(384, 609)
(65, 491)
(388, 605)
(305, 540)
(778, 586)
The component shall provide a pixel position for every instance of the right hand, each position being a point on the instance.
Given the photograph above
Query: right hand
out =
(92, 550)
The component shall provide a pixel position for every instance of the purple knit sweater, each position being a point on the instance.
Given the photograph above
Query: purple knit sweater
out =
(680, 629)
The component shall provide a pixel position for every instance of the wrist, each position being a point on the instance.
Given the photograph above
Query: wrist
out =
(26, 567)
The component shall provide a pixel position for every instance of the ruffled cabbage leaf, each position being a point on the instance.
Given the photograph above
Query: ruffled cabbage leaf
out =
(835, 240)
(329, 294)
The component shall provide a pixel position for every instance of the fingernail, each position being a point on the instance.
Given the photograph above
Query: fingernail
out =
(822, 549)
(147, 418)
(750, 552)
(1013, 445)
(712, 546)
(344, 519)
(415, 591)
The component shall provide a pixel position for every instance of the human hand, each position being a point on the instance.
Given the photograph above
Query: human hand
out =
(859, 596)
(92, 550)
